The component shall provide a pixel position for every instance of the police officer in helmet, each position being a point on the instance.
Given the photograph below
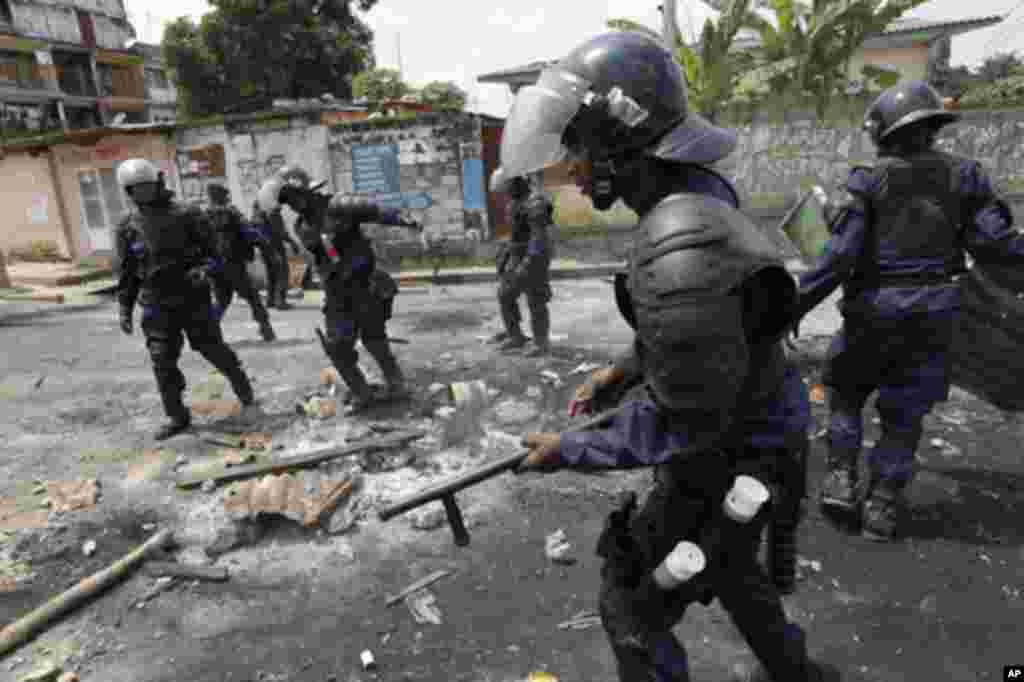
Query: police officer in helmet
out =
(896, 248)
(358, 297)
(235, 247)
(166, 258)
(709, 299)
(524, 263)
(275, 255)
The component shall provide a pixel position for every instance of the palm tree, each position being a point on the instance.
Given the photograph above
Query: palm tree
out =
(807, 48)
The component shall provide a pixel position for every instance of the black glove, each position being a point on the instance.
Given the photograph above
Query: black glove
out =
(198, 276)
(126, 320)
(618, 546)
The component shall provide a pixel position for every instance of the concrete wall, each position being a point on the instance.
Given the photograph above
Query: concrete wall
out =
(436, 157)
(911, 60)
(31, 204)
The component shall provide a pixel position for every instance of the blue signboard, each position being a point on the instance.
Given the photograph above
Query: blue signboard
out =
(473, 185)
(375, 174)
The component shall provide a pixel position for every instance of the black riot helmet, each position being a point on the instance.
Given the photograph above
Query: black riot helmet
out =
(615, 96)
(907, 102)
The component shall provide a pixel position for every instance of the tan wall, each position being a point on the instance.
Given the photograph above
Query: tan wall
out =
(30, 209)
(912, 61)
(72, 159)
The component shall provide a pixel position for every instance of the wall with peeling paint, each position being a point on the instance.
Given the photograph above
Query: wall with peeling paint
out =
(435, 157)
(773, 164)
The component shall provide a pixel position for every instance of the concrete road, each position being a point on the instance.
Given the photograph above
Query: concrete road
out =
(78, 401)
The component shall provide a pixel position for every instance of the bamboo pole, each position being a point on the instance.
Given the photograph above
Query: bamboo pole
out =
(23, 629)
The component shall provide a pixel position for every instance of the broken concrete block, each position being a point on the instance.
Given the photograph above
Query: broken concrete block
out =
(515, 412)
(89, 548)
(218, 408)
(430, 518)
(558, 549)
(329, 377)
(234, 458)
(284, 495)
(257, 440)
(321, 408)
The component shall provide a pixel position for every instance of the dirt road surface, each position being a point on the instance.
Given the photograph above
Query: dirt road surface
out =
(79, 402)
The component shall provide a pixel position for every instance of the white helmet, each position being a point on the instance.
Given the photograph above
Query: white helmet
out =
(135, 172)
(267, 198)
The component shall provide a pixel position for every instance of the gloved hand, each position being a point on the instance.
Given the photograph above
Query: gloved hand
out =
(126, 321)
(545, 452)
(198, 276)
(583, 400)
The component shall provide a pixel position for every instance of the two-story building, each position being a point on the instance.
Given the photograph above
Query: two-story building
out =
(65, 64)
(161, 93)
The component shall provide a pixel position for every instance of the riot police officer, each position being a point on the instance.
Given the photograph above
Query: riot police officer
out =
(524, 264)
(235, 247)
(897, 246)
(709, 298)
(275, 257)
(166, 258)
(358, 297)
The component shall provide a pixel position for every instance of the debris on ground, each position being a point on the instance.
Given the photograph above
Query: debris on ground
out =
(318, 407)
(234, 458)
(49, 671)
(430, 518)
(812, 564)
(551, 377)
(67, 496)
(558, 549)
(160, 586)
(534, 393)
(585, 368)
(172, 569)
(22, 630)
(14, 518)
(329, 377)
(418, 585)
(285, 495)
(217, 408)
(946, 448)
(89, 548)
(584, 620)
(68, 677)
(257, 440)
(366, 658)
(436, 389)
(515, 412)
(423, 606)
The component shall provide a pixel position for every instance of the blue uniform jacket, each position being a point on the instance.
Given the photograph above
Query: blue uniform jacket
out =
(989, 235)
(636, 436)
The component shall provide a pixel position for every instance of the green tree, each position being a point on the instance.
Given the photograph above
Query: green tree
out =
(244, 53)
(444, 95)
(377, 85)
(998, 66)
(807, 48)
(712, 69)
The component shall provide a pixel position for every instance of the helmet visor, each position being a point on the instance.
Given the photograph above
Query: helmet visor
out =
(532, 139)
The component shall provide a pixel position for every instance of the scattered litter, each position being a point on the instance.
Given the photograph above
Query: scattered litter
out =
(257, 440)
(945, 447)
(584, 620)
(430, 518)
(208, 486)
(585, 368)
(812, 564)
(541, 677)
(1011, 592)
(534, 392)
(367, 660)
(445, 412)
(49, 671)
(552, 378)
(818, 394)
(558, 548)
(986, 558)
(218, 408)
(515, 412)
(418, 585)
(234, 458)
(422, 605)
(66, 496)
(89, 548)
(321, 408)
(329, 377)
(435, 389)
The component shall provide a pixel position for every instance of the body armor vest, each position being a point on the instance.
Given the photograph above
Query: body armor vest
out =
(226, 222)
(173, 243)
(916, 210)
(686, 297)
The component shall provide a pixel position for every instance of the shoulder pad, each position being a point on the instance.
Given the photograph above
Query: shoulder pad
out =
(697, 243)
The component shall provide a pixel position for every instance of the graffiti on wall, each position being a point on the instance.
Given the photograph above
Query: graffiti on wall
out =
(252, 173)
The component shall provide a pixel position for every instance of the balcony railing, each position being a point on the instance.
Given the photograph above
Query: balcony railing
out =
(76, 80)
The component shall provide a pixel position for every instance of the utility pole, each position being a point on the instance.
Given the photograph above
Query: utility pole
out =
(669, 28)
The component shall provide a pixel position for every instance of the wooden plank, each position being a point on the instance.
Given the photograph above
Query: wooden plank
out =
(302, 461)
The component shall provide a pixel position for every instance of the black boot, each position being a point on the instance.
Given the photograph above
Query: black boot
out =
(839, 489)
(883, 509)
(242, 387)
(361, 395)
(782, 555)
(815, 672)
(381, 352)
(540, 322)
(179, 417)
